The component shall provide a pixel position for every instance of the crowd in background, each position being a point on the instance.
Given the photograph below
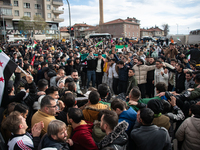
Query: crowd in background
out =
(97, 96)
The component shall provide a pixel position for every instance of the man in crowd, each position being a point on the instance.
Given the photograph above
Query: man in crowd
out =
(20, 139)
(56, 136)
(82, 131)
(46, 113)
(158, 137)
(116, 136)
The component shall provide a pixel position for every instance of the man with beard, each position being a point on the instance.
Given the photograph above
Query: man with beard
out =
(74, 75)
(82, 130)
(56, 136)
(116, 136)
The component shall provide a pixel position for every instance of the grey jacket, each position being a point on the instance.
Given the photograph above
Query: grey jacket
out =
(151, 138)
(189, 133)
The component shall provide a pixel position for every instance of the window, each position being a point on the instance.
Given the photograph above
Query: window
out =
(129, 26)
(48, 7)
(48, 0)
(27, 5)
(133, 26)
(28, 14)
(49, 15)
(16, 3)
(133, 33)
(6, 11)
(114, 26)
(37, 6)
(38, 14)
(129, 34)
(137, 34)
(16, 12)
(137, 27)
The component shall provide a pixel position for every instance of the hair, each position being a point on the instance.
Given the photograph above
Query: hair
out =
(43, 64)
(111, 118)
(69, 101)
(26, 66)
(159, 61)
(195, 109)
(42, 84)
(132, 70)
(118, 103)
(135, 93)
(10, 107)
(12, 122)
(71, 86)
(147, 115)
(190, 73)
(141, 60)
(75, 114)
(51, 90)
(181, 66)
(46, 100)
(161, 87)
(94, 97)
(120, 62)
(74, 70)
(103, 90)
(60, 70)
(173, 59)
(197, 78)
(55, 126)
(21, 108)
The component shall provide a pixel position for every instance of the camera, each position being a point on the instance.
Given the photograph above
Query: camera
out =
(168, 95)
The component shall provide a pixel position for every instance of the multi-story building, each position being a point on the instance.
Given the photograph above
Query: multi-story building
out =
(13, 10)
(80, 29)
(127, 28)
(153, 31)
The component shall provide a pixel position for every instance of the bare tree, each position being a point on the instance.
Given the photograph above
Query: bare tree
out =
(166, 29)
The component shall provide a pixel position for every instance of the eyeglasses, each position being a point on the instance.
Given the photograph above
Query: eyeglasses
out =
(52, 106)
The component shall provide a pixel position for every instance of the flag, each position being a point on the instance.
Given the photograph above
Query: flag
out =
(34, 44)
(7, 68)
(32, 61)
(178, 39)
(99, 43)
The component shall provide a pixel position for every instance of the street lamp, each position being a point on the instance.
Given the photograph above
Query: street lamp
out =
(3, 28)
(177, 28)
(70, 24)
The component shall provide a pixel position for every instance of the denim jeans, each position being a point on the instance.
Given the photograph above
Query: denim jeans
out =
(91, 75)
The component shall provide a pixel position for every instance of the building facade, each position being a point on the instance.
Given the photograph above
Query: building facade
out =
(80, 29)
(153, 32)
(127, 28)
(14, 10)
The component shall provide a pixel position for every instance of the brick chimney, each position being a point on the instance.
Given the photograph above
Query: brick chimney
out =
(101, 12)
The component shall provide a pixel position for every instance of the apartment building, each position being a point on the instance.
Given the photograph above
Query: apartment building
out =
(153, 31)
(13, 10)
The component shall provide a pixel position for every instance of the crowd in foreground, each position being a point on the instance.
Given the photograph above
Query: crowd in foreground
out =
(97, 97)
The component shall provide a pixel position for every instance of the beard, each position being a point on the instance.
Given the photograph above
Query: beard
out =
(103, 130)
(62, 139)
(75, 79)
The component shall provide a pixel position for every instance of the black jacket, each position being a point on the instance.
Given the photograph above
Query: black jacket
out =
(117, 139)
(151, 138)
(195, 55)
(48, 142)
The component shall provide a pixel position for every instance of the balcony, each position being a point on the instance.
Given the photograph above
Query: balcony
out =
(58, 11)
(57, 2)
(5, 4)
(58, 19)
(6, 16)
(6, 13)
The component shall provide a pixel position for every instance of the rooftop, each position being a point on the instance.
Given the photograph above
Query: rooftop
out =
(128, 20)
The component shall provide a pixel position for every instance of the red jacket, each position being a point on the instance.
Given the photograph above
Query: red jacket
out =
(82, 138)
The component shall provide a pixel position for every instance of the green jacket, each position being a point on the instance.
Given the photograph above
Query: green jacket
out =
(194, 94)
(131, 83)
(105, 103)
(144, 100)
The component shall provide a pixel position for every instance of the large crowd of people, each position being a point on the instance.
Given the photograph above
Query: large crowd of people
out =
(96, 97)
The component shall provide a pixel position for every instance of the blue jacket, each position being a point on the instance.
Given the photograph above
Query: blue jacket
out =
(129, 116)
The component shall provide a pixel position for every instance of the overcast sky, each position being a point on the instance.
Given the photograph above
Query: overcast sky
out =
(185, 13)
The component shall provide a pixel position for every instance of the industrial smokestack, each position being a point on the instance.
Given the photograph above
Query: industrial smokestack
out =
(101, 12)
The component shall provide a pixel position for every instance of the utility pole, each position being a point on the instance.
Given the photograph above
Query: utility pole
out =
(70, 25)
(177, 29)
